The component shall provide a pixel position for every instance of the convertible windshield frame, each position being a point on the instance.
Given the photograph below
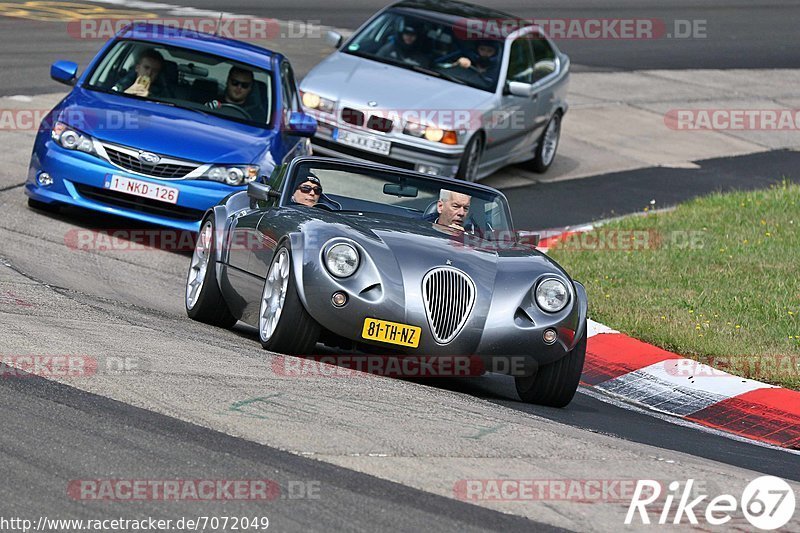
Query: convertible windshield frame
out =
(269, 105)
(408, 207)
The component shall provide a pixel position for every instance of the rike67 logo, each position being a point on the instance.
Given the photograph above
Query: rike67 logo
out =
(767, 502)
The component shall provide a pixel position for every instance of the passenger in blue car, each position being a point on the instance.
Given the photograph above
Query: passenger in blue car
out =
(144, 79)
(241, 95)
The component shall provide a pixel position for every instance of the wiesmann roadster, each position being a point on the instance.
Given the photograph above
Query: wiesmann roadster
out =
(385, 261)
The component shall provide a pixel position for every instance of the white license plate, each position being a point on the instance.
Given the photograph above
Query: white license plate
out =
(365, 142)
(142, 188)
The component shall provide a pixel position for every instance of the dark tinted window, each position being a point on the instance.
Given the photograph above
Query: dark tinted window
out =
(520, 63)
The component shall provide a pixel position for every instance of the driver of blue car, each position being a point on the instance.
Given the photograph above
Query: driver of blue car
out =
(238, 92)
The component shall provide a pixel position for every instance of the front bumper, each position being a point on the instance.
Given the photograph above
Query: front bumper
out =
(497, 330)
(79, 178)
(401, 154)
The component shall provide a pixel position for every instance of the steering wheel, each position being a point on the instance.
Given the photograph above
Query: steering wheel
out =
(327, 204)
(238, 109)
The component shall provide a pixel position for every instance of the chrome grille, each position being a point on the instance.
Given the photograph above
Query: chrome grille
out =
(128, 158)
(449, 295)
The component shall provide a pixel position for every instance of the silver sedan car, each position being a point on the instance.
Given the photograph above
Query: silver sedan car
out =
(443, 88)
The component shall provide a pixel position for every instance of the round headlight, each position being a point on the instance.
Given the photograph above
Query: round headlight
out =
(342, 260)
(551, 295)
(235, 176)
(434, 134)
(217, 174)
(311, 100)
(70, 139)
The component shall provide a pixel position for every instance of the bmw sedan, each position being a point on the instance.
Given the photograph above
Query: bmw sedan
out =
(443, 88)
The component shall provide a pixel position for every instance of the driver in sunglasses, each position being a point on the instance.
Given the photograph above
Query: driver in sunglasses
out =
(237, 91)
(308, 191)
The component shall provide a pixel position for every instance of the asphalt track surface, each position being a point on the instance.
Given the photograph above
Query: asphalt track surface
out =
(738, 34)
(55, 432)
(94, 435)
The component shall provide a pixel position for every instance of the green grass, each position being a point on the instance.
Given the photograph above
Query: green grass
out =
(716, 280)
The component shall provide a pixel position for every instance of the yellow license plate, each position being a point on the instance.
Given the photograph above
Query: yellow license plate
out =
(391, 332)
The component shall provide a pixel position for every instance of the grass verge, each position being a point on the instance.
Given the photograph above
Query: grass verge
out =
(716, 280)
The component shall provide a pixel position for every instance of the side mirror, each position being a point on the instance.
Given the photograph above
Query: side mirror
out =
(527, 238)
(261, 191)
(518, 88)
(302, 124)
(65, 72)
(333, 39)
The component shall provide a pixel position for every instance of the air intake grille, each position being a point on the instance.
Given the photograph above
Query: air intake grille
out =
(129, 161)
(353, 116)
(449, 295)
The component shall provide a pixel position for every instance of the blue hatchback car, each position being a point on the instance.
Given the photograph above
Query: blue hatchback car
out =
(164, 123)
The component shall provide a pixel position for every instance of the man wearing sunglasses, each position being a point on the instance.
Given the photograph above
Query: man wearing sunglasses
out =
(308, 191)
(237, 92)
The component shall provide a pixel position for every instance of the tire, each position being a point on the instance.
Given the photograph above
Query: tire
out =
(547, 145)
(471, 160)
(555, 384)
(203, 299)
(42, 206)
(293, 332)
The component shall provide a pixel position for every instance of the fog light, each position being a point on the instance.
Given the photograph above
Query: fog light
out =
(549, 336)
(44, 179)
(339, 299)
(428, 169)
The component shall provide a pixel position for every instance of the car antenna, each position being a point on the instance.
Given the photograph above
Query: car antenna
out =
(219, 21)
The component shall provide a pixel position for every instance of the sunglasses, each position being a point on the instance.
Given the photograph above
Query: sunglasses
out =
(308, 188)
(242, 84)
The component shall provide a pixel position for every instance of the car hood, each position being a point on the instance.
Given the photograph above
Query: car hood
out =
(357, 81)
(164, 129)
(417, 244)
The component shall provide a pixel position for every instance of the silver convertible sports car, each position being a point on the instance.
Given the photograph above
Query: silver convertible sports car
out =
(441, 87)
(370, 258)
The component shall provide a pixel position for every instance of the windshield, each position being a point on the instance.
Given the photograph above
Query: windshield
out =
(186, 78)
(382, 191)
(432, 47)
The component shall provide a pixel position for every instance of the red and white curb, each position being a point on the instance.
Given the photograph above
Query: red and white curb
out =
(645, 375)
